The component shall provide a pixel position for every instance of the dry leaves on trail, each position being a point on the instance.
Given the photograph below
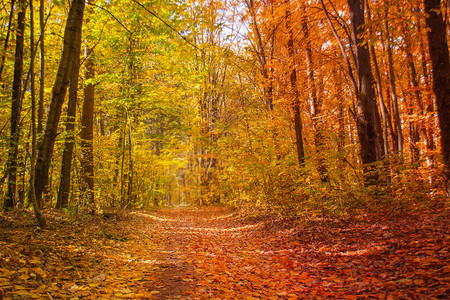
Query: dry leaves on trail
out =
(367, 258)
(211, 253)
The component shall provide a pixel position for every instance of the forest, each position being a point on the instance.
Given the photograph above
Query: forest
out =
(224, 149)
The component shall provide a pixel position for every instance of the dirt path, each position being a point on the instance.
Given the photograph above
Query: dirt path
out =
(211, 253)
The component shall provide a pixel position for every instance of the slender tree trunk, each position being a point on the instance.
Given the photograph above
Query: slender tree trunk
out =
(8, 32)
(262, 57)
(66, 166)
(16, 108)
(414, 136)
(45, 152)
(413, 125)
(384, 112)
(122, 164)
(367, 117)
(440, 62)
(394, 99)
(294, 90)
(316, 105)
(87, 130)
(341, 111)
(130, 162)
(37, 211)
(40, 116)
(427, 124)
(87, 127)
(387, 123)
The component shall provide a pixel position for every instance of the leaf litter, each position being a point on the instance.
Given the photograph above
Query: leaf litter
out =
(214, 253)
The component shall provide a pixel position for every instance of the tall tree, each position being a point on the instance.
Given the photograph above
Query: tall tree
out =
(261, 53)
(87, 127)
(367, 116)
(5, 48)
(16, 107)
(37, 211)
(294, 89)
(45, 150)
(40, 115)
(66, 165)
(387, 124)
(393, 87)
(316, 103)
(440, 62)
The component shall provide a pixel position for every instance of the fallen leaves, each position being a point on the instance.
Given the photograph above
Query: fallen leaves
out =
(74, 258)
(356, 260)
(211, 253)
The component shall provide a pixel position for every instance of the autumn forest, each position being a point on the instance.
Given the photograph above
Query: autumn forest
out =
(232, 143)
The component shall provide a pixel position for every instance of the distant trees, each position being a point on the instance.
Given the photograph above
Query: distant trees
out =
(291, 105)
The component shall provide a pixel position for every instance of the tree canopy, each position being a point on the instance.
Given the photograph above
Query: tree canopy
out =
(288, 106)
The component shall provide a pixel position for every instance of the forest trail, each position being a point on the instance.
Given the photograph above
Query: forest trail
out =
(214, 253)
(228, 258)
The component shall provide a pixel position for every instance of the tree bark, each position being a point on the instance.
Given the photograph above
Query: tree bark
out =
(393, 88)
(16, 108)
(40, 115)
(8, 32)
(316, 105)
(66, 166)
(440, 62)
(37, 212)
(87, 130)
(45, 150)
(294, 90)
(367, 117)
(130, 163)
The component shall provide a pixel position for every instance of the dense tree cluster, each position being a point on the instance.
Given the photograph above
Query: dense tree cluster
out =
(288, 105)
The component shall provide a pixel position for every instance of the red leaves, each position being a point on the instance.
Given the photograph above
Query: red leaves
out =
(358, 260)
(205, 254)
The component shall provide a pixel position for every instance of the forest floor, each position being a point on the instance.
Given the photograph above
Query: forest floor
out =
(214, 253)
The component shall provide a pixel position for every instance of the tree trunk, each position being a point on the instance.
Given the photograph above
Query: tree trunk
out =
(130, 162)
(262, 57)
(87, 130)
(316, 105)
(440, 62)
(40, 116)
(66, 166)
(122, 164)
(367, 118)
(8, 32)
(414, 136)
(45, 152)
(413, 126)
(37, 212)
(294, 90)
(427, 124)
(384, 112)
(16, 108)
(393, 88)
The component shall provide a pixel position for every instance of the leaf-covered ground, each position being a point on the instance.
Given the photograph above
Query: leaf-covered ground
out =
(212, 253)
